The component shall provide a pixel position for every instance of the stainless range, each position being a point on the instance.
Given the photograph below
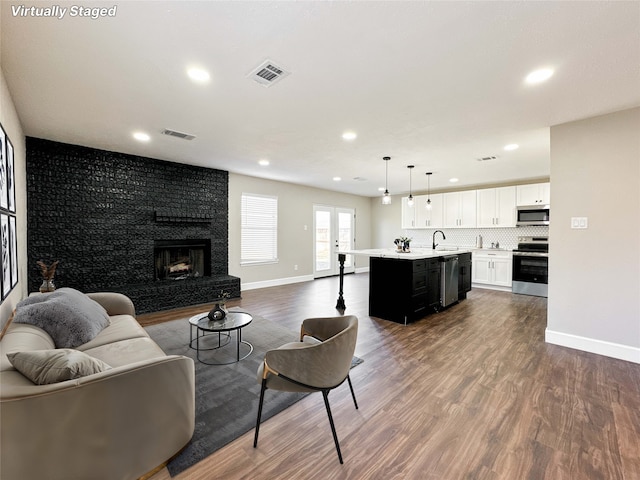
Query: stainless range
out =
(531, 266)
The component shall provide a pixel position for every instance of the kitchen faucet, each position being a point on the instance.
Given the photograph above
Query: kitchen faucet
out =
(434, 244)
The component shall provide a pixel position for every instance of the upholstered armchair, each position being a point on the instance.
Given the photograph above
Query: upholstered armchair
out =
(319, 362)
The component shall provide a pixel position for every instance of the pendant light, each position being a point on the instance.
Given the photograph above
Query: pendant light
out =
(386, 198)
(410, 199)
(428, 205)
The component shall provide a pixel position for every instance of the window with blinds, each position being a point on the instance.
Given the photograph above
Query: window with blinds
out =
(259, 229)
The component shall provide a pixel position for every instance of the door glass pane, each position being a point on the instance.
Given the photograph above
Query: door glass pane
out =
(345, 235)
(323, 240)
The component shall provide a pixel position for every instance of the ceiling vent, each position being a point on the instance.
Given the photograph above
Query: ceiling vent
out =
(173, 133)
(486, 159)
(268, 73)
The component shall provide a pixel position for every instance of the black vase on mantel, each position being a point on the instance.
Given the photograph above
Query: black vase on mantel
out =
(218, 312)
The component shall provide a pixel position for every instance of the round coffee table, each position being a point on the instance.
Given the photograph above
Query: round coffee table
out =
(232, 321)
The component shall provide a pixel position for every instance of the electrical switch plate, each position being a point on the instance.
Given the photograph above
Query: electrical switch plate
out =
(579, 222)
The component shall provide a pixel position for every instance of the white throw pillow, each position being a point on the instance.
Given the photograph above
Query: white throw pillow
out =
(52, 366)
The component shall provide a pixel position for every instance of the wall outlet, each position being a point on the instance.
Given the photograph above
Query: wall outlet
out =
(579, 222)
(295, 267)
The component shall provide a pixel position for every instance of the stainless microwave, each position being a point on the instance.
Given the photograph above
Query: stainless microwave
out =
(532, 215)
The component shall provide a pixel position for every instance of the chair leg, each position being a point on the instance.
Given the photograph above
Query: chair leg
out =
(264, 387)
(352, 392)
(325, 394)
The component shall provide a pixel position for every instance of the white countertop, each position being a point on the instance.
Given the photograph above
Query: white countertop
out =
(415, 254)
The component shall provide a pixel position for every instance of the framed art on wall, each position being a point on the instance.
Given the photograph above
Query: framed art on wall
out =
(6, 267)
(11, 177)
(4, 197)
(8, 221)
(13, 251)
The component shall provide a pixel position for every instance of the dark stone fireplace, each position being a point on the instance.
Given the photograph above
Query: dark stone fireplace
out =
(104, 215)
(182, 259)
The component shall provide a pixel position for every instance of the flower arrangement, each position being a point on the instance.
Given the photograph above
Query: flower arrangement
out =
(224, 296)
(219, 311)
(48, 271)
(402, 244)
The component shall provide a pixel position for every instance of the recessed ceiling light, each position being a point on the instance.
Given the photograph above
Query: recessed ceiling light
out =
(381, 189)
(349, 135)
(264, 162)
(538, 76)
(511, 146)
(141, 136)
(337, 179)
(453, 180)
(198, 75)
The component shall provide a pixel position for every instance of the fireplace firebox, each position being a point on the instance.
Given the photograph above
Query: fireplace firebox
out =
(182, 259)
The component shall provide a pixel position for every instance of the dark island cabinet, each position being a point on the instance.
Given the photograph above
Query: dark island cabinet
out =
(464, 275)
(403, 290)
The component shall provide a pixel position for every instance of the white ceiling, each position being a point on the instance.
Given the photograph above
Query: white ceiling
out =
(433, 84)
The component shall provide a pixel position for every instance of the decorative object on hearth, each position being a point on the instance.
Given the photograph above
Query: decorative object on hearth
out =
(219, 311)
(48, 271)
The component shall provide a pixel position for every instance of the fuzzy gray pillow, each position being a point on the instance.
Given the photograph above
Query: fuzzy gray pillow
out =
(67, 315)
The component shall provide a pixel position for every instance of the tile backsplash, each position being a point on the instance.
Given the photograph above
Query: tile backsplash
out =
(466, 237)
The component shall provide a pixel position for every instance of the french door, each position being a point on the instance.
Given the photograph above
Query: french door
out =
(333, 231)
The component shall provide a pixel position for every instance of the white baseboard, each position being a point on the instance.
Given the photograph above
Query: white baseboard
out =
(275, 282)
(608, 349)
(491, 287)
(286, 281)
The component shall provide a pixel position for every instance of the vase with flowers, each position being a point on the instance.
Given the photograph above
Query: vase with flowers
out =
(48, 271)
(219, 310)
(403, 244)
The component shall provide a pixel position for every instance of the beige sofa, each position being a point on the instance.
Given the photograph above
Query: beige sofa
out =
(117, 424)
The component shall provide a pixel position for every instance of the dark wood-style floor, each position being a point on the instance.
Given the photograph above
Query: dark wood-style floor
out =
(473, 392)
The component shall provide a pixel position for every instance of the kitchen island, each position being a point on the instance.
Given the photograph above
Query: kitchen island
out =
(406, 286)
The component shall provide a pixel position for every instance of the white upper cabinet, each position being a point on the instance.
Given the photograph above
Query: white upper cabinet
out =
(534, 194)
(460, 209)
(408, 213)
(496, 207)
(418, 216)
(429, 218)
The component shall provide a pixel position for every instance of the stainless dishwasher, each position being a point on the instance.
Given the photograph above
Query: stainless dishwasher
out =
(449, 271)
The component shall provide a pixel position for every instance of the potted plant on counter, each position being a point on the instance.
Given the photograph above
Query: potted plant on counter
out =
(403, 244)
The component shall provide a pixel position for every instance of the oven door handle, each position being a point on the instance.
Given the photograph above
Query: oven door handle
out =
(531, 254)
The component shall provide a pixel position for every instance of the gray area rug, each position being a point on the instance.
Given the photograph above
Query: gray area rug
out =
(226, 395)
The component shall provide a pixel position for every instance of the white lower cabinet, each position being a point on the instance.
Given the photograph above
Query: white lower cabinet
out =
(490, 267)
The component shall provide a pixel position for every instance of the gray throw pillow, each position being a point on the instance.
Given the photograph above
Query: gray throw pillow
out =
(51, 366)
(70, 317)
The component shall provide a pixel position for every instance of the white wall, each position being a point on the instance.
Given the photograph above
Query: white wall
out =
(295, 243)
(13, 129)
(594, 274)
(387, 221)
